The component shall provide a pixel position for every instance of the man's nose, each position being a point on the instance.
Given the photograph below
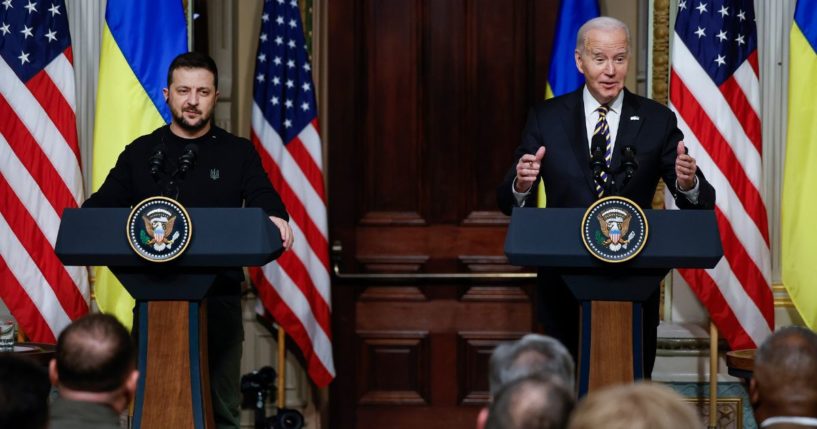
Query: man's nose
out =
(609, 68)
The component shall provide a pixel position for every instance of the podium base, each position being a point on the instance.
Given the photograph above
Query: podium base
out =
(173, 389)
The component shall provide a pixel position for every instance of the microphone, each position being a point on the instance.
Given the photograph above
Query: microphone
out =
(597, 163)
(188, 159)
(628, 162)
(156, 161)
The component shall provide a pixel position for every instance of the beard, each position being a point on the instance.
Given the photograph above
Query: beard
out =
(179, 119)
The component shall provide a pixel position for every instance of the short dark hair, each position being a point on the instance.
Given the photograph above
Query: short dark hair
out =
(193, 60)
(531, 354)
(95, 354)
(24, 389)
(532, 402)
(787, 362)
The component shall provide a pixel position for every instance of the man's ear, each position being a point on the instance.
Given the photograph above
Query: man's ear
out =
(166, 93)
(482, 418)
(578, 57)
(130, 384)
(754, 395)
(53, 376)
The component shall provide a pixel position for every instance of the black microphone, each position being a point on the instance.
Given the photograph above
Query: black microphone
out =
(597, 163)
(188, 159)
(628, 162)
(157, 161)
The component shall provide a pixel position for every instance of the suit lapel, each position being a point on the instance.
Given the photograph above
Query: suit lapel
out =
(575, 127)
(628, 126)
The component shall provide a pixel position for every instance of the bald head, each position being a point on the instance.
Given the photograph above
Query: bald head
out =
(784, 376)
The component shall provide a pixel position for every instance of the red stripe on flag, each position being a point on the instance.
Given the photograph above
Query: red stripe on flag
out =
(285, 317)
(721, 151)
(311, 170)
(69, 53)
(753, 61)
(41, 252)
(719, 310)
(56, 107)
(746, 115)
(745, 268)
(29, 152)
(19, 303)
(295, 269)
(295, 207)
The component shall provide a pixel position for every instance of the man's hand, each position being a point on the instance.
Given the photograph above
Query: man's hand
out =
(685, 168)
(286, 231)
(527, 170)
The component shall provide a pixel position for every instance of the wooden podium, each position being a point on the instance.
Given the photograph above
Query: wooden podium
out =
(611, 295)
(173, 389)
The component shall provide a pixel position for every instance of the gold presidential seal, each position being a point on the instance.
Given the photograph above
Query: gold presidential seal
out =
(159, 229)
(614, 229)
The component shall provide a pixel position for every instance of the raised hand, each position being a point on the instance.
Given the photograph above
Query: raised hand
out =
(685, 168)
(527, 170)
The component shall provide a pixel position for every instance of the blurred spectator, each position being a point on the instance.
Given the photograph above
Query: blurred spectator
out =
(532, 402)
(24, 390)
(783, 389)
(635, 406)
(94, 372)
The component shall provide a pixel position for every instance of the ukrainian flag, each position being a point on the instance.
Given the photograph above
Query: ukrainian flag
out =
(798, 237)
(563, 76)
(139, 40)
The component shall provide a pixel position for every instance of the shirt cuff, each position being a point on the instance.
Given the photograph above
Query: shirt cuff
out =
(519, 196)
(691, 194)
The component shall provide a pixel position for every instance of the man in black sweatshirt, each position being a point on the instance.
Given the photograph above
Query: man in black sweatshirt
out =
(227, 173)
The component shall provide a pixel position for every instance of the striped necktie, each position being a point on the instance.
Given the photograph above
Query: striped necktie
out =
(603, 129)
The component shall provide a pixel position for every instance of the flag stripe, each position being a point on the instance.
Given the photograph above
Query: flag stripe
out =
(46, 135)
(26, 312)
(295, 289)
(21, 266)
(322, 373)
(41, 251)
(715, 91)
(714, 143)
(40, 171)
(729, 204)
(49, 96)
(717, 306)
(27, 191)
(297, 212)
(35, 163)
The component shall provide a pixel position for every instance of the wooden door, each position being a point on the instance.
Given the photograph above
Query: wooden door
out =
(427, 102)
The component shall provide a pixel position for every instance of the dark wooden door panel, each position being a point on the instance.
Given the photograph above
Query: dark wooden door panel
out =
(427, 101)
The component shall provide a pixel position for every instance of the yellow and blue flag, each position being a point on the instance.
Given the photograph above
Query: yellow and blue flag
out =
(139, 40)
(563, 76)
(799, 255)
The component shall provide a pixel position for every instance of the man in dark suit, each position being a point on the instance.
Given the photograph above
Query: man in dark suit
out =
(556, 148)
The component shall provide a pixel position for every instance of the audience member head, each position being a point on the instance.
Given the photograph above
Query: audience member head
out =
(785, 373)
(634, 406)
(95, 362)
(24, 389)
(532, 354)
(532, 402)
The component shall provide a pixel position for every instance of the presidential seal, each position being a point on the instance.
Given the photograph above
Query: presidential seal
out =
(614, 229)
(159, 229)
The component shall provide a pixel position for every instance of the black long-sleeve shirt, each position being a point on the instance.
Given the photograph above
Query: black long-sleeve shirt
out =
(227, 173)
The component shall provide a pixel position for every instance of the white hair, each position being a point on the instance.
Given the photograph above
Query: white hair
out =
(600, 23)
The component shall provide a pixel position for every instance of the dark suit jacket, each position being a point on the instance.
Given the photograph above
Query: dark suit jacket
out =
(559, 125)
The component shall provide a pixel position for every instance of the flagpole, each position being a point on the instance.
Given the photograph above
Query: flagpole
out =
(713, 376)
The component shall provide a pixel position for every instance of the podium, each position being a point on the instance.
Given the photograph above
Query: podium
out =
(611, 295)
(173, 389)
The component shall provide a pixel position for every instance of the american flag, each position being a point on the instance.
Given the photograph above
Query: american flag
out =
(39, 167)
(714, 90)
(295, 288)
